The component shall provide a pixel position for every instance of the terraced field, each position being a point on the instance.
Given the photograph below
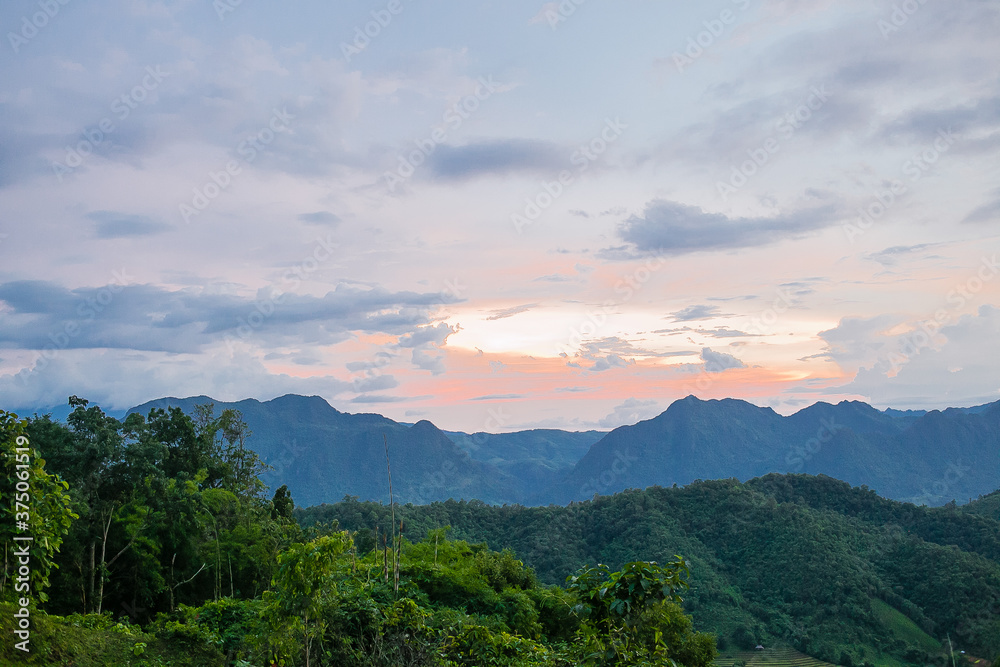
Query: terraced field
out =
(771, 657)
(903, 627)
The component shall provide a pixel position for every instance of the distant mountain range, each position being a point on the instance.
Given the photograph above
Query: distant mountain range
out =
(323, 454)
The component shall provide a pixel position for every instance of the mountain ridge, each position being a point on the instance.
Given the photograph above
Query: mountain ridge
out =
(324, 454)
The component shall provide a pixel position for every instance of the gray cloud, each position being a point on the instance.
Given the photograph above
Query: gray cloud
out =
(672, 228)
(921, 126)
(511, 312)
(988, 212)
(497, 397)
(495, 157)
(433, 335)
(892, 256)
(143, 317)
(426, 360)
(696, 312)
(114, 225)
(378, 398)
(320, 218)
(716, 362)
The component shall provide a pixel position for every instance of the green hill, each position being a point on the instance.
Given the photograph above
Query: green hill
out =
(783, 560)
(988, 506)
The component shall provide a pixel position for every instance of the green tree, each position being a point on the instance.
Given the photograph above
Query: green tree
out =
(304, 585)
(632, 616)
(36, 504)
(282, 505)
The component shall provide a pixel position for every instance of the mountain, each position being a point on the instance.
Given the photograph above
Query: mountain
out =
(538, 458)
(323, 454)
(926, 458)
(837, 572)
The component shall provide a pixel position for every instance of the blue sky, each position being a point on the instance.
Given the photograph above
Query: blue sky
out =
(500, 215)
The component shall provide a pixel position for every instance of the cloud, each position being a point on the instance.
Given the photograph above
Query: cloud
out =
(722, 332)
(859, 341)
(953, 370)
(633, 410)
(120, 379)
(511, 312)
(113, 225)
(495, 157)
(378, 398)
(892, 256)
(923, 125)
(375, 383)
(320, 218)
(497, 397)
(672, 228)
(717, 362)
(697, 312)
(610, 361)
(428, 361)
(554, 278)
(428, 335)
(43, 315)
(988, 212)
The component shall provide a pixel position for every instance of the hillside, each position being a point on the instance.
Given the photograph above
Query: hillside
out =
(324, 454)
(807, 562)
(538, 457)
(928, 458)
(988, 506)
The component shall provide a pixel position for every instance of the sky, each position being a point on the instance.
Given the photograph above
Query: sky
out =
(500, 215)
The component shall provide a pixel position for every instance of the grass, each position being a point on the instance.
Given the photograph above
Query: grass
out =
(770, 657)
(904, 628)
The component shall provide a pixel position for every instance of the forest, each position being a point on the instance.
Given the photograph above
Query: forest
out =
(155, 542)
